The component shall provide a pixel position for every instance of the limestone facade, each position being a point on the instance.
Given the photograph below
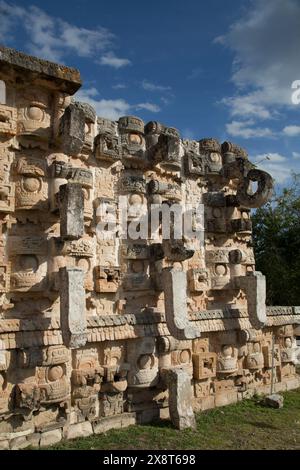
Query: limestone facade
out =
(101, 331)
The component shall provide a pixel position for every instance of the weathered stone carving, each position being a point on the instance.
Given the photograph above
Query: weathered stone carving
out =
(101, 328)
(72, 309)
(71, 211)
(180, 398)
(175, 286)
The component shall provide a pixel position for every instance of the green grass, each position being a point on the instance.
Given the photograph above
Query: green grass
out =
(245, 425)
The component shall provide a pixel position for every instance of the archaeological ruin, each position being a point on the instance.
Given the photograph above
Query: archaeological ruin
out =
(99, 330)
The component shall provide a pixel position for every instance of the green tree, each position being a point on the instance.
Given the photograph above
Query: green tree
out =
(276, 238)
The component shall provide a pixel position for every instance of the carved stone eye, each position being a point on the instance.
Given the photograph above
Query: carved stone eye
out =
(31, 184)
(87, 128)
(135, 139)
(135, 199)
(217, 212)
(227, 350)
(35, 113)
(84, 264)
(145, 361)
(137, 266)
(55, 373)
(2, 381)
(184, 356)
(220, 269)
(215, 157)
(288, 343)
(28, 263)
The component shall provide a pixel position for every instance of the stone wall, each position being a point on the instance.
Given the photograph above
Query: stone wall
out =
(99, 331)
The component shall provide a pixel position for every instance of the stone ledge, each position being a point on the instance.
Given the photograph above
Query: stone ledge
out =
(114, 422)
(66, 79)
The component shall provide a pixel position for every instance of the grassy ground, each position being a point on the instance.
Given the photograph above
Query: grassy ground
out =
(246, 425)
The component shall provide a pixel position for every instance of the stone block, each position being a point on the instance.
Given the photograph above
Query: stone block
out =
(114, 422)
(180, 398)
(4, 444)
(72, 307)
(293, 383)
(79, 430)
(71, 207)
(34, 439)
(50, 437)
(274, 401)
(226, 398)
(72, 133)
(19, 443)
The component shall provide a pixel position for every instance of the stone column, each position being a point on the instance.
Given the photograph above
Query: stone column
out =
(180, 398)
(72, 307)
(71, 211)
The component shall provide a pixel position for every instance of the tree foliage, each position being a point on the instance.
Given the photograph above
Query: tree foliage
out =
(276, 238)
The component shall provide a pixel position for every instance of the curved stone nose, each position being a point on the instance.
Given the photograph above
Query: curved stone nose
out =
(263, 193)
(175, 286)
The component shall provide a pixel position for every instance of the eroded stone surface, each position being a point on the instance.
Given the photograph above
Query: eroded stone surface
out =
(89, 321)
(274, 400)
(180, 399)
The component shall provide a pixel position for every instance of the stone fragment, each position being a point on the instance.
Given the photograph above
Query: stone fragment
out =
(180, 398)
(4, 444)
(72, 307)
(19, 443)
(72, 133)
(79, 430)
(50, 437)
(34, 439)
(71, 211)
(96, 311)
(274, 401)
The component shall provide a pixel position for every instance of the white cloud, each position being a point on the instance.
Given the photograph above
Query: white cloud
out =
(275, 164)
(296, 155)
(7, 22)
(154, 108)
(110, 59)
(50, 37)
(195, 73)
(271, 157)
(110, 109)
(119, 86)
(247, 105)
(265, 41)
(279, 171)
(291, 131)
(243, 129)
(146, 85)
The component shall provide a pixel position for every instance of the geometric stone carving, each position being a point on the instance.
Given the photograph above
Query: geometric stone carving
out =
(102, 319)
(4, 278)
(8, 120)
(205, 365)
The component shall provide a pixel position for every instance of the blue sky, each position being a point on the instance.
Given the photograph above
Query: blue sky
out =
(212, 68)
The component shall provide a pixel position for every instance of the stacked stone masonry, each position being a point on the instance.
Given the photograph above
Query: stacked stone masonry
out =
(102, 332)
